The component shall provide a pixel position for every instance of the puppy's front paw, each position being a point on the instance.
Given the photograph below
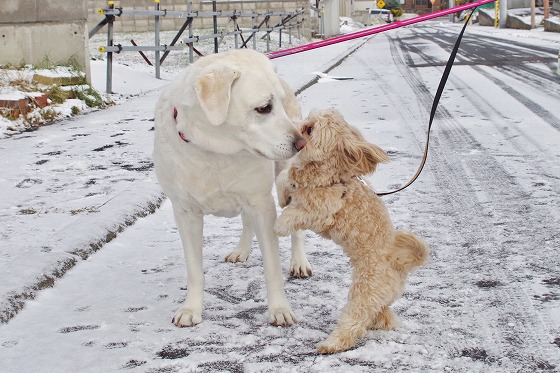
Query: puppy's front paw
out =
(187, 317)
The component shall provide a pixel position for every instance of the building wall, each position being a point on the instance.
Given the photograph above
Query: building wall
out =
(34, 30)
(423, 6)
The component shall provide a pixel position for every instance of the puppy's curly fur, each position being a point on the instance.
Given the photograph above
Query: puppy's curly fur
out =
(323, 193)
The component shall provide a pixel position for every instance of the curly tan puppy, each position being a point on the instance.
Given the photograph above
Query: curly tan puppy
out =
(324, 194)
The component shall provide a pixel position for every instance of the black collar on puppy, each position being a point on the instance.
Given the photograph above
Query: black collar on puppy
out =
(181, 135)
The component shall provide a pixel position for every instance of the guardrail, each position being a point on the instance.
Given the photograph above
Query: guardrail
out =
(285, 21)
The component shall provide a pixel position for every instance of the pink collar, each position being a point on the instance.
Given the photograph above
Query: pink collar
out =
(181, 135)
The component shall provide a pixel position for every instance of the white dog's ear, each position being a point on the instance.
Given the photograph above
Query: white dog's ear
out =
(213, 91)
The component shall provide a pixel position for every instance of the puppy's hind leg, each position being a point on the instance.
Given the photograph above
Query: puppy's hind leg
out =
(385, 320)
(299, 265)
(366, 299)
(243, 249)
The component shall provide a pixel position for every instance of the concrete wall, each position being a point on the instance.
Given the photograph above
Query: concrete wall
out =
(132, 23)
(516, 4)
(516, 23)
(32, 30)
(487, 17)
(551, 25)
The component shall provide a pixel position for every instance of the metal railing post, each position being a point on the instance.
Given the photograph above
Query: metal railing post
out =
(254, 34)
(267, 37)
(235, 36)
(191, 56)
(157, 42)
(215, 19)
(109, 81)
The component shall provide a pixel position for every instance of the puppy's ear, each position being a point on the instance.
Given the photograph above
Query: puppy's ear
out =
(213, 91)
(363, 157)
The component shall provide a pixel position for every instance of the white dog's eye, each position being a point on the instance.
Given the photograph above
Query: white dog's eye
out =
(266, 109)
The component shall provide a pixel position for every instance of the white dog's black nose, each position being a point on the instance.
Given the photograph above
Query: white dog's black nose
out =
(299, 143)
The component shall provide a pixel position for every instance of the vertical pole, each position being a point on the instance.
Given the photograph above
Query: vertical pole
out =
(254, 34)
(497, 14)
(452, 15)
(157, 42)
(299, 21)
(290, 34)
(546, 5)
(215, 18)
(109, 82)
(280, 38)
(236, 36)
(533, 14)
(503, 13)
(267, 37)
(322, 23)
(191, 57)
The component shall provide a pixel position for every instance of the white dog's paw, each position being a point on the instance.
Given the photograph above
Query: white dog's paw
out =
(238, 255)
(187, 317)
(300, 268)
(282, 316)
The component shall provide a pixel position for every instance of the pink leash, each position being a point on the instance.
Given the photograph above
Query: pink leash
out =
(375, 30)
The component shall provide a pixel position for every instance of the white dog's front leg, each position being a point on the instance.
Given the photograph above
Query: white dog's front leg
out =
(263, 217)
(299, 265)
(190, 228)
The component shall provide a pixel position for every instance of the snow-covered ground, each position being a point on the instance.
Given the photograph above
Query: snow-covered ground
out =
(487, 204)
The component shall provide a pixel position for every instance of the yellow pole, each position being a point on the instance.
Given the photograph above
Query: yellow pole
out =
(497, 14)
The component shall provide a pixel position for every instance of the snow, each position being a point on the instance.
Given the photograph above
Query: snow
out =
(99, 281)
(59, 72)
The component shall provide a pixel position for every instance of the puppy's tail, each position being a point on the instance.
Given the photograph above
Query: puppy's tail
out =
(409, 251)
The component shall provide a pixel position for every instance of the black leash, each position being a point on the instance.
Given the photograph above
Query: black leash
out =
(434, 106)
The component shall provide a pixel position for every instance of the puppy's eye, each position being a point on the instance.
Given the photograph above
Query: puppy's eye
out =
(266, 109)
(309, 130)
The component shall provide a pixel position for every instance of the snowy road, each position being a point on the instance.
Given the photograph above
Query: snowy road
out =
(488, 204)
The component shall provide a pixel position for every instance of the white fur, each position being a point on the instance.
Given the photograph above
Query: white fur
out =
(227, 167)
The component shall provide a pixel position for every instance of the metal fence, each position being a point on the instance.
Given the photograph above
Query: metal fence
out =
(261, 22)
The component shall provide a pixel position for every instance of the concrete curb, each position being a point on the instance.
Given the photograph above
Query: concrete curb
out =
(72, 256)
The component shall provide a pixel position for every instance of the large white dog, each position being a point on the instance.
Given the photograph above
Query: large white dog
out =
(218, 130)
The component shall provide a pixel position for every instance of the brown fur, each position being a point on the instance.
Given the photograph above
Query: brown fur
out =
(325, 195)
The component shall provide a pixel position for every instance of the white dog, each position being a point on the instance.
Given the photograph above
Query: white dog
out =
(218, 130)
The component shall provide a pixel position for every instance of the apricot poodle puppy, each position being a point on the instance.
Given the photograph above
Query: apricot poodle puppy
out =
(323, 192)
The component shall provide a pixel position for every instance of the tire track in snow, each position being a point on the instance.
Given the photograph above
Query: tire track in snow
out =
(511, 56)
(523, 73)
(471, 181)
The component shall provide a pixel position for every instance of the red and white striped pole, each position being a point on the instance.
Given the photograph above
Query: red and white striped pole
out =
(375, 30)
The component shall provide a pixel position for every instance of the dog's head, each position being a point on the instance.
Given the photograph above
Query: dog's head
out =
(240, 103)
(333, 142)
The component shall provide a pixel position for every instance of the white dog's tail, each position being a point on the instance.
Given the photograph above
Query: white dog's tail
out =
(409, 251)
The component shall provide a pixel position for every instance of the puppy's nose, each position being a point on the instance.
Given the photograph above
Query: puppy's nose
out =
(300, 143)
